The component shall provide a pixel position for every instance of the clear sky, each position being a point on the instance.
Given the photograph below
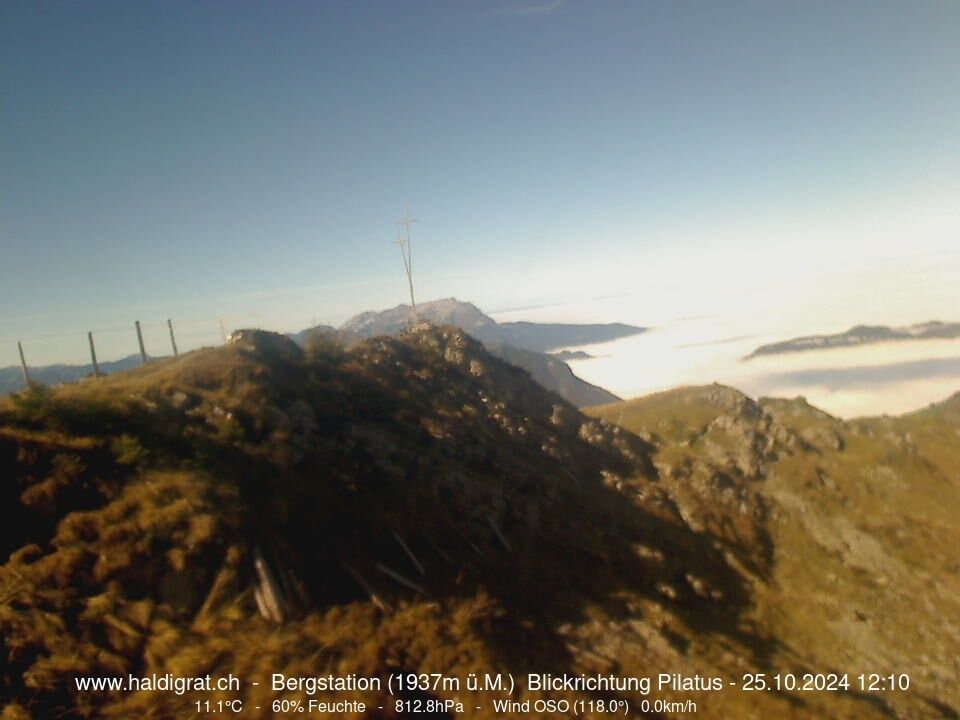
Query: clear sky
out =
(248, 159)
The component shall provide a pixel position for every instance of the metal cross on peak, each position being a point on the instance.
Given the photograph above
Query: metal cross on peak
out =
(406, 222)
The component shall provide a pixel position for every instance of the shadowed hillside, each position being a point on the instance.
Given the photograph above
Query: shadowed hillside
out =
(143, 502)
(416, 504)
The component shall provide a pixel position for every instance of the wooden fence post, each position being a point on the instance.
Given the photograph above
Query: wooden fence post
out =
(143, 352)
(93, 355)
(23, 364)
(173, 339)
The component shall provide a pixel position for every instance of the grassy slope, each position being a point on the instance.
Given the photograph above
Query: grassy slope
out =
(862, 526)
(133, 507)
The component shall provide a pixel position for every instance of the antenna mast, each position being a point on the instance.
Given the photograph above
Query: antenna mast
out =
(403, 240)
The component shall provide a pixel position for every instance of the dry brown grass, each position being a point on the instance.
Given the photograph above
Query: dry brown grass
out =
(144, 496)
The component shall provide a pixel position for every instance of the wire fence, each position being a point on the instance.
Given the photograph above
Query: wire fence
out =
(123, 345)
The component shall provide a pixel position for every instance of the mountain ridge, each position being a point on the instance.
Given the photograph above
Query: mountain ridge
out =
(860, 335)
(535, 337)
(522, 344)
(551, 372)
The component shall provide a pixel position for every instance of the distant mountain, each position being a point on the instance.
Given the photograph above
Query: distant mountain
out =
(549, 371)
(861, 335)
(439, 312)
(538, 337)
(572, 355)
(11, 378)
(523, 344)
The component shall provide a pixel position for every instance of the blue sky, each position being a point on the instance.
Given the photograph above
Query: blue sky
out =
(247, 160)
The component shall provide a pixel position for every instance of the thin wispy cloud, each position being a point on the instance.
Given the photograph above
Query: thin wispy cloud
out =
(526, 9)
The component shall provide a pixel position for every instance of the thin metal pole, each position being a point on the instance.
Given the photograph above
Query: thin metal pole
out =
(173, 339)
(413, 303)
(223, 332)
(403, 240)
(93, 355)
(23, 364)
(143, 352)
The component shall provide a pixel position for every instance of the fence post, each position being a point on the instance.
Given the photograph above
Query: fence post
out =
(23, 364)
(93, 355)
(173, 339)
(143, 352)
